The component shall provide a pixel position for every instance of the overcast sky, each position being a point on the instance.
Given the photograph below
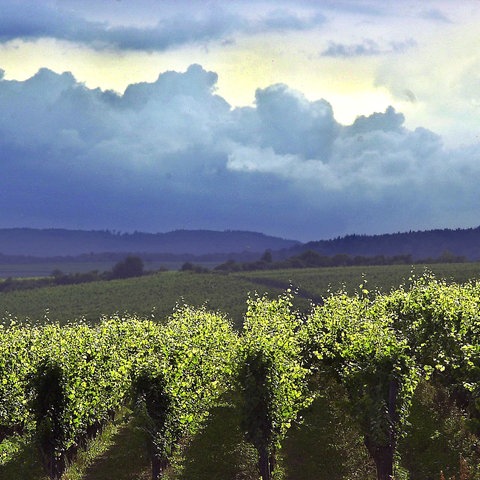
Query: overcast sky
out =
(303, 119)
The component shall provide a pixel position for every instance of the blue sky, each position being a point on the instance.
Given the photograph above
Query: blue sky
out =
(305, 119)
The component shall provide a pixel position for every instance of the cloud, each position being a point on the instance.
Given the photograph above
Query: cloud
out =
(371, 8)
(173, 154)
(31, 21)
(366, 48)
(450, 103)
(390, 121)
(289, 123)
(435, 15)
(285, 20)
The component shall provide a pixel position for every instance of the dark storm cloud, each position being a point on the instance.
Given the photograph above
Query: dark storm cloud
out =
(34, 20)
(173, 154)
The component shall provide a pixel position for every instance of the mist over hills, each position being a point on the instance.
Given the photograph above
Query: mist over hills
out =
(49, 243)
(61, 242)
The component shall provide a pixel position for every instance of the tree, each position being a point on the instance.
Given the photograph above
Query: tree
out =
(267, 257)
(131, 266)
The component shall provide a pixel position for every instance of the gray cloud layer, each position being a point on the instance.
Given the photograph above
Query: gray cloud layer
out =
(367, 48)
(34, 20)
(173, 154)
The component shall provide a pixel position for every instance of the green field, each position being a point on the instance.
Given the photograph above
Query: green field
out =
(318, 281)
(156, 295)
(147, 296)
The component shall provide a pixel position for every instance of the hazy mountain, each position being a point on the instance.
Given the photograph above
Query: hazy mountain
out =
(60, 242)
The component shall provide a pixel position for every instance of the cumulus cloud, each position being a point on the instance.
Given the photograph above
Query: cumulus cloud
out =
(289, 123)
(173, 154)
(34, 20)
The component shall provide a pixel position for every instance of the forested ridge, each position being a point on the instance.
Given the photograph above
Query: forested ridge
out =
(418, 244)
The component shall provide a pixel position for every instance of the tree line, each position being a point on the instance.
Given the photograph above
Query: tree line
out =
(130, 266)
(313, 259)
(133, 266)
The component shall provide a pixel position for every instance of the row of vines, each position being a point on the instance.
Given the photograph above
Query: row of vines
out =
(64, 383)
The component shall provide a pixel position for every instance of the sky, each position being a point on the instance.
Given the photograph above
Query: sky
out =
(302, 119)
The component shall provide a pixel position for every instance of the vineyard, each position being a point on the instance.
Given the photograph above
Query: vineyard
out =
(155, 296)
(366, 385)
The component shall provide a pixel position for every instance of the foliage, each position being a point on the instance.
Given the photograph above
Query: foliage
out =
(353, 339)
(80, 381)
(191, 267)
(131, 266)
(436, 434)
(271, 377)
(177, 388)
(313, 259)
(362, 355)
(19, 351)
(442, 324)
(67, 381)
(327, 444)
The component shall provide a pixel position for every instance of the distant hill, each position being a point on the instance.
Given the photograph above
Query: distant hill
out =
(60, 242)
(420, 245)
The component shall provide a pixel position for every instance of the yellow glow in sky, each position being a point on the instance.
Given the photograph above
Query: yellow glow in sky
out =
(435, 83)
(241, 69)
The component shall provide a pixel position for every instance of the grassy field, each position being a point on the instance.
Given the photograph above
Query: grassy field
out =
(318, 281)
(148, 296)
(156, 295)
